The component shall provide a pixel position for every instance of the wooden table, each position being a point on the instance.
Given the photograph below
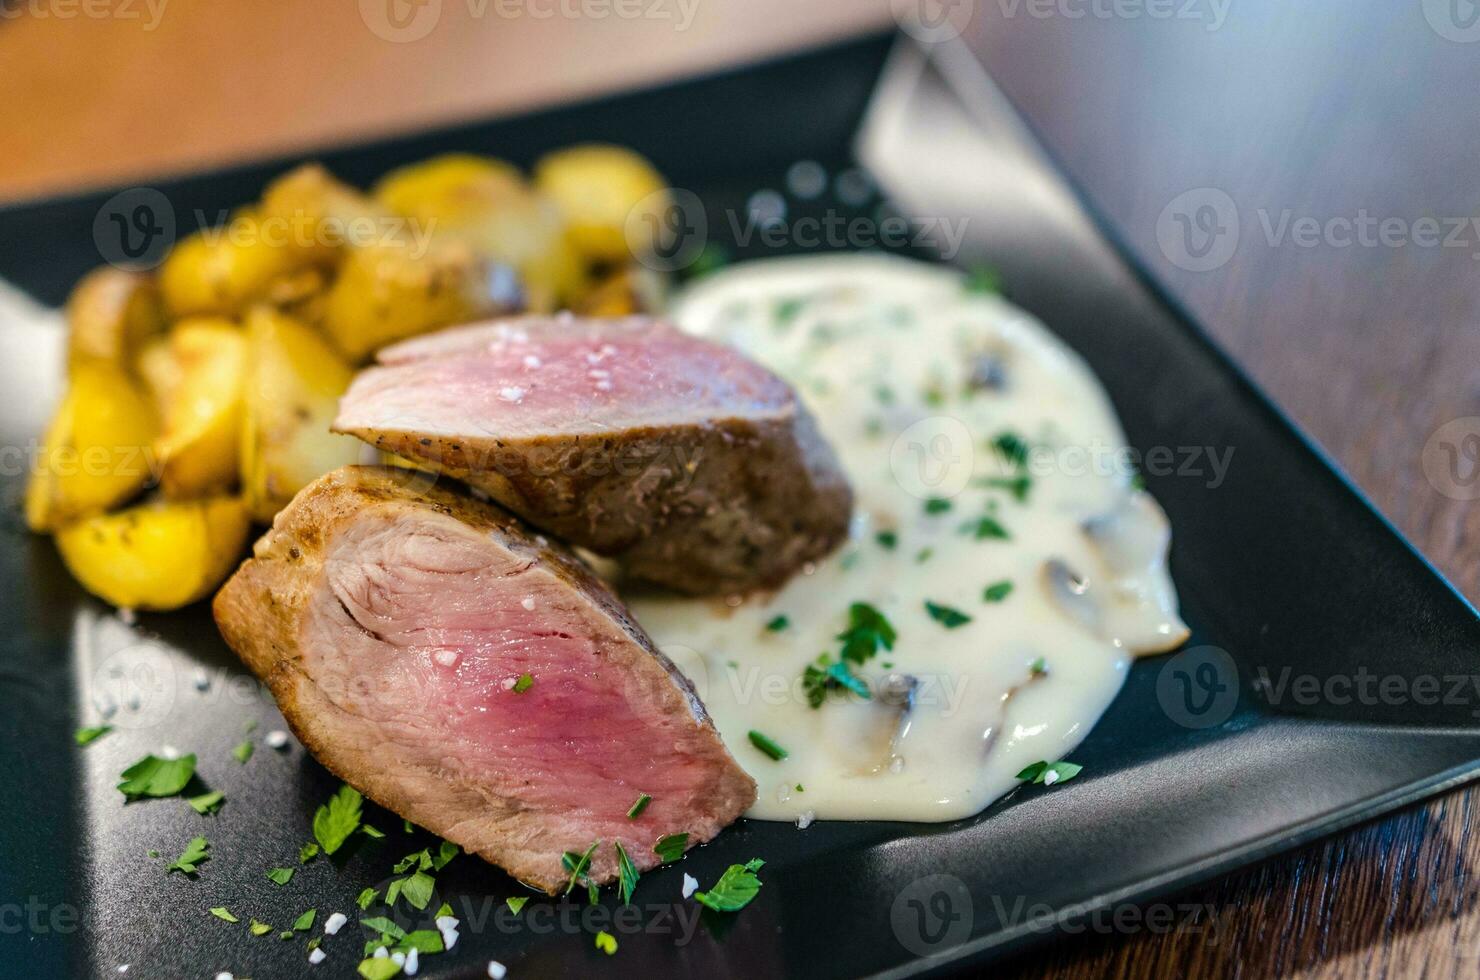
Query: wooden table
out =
(1332, 110)
(1324, 109)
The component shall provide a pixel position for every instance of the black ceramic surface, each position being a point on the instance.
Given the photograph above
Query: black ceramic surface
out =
(1282, 565)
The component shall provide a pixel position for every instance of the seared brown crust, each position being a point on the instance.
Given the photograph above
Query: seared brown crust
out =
(261, 610)
(725, 507)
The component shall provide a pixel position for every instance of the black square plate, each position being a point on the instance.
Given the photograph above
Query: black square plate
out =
(1207, 761)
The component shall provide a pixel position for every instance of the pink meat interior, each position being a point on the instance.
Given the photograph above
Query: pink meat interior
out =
(427, 627)
(557, 377)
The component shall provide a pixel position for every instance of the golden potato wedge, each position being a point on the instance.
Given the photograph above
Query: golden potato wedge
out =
(294, 380)
(96, 452)
(111, 314)
(487, 204)
(199, 444)
(160, 371)
(303, 295)
(218, 271)
(597, 186)
(159, 555)
(628, 290)
(322, 213)
(389, 292)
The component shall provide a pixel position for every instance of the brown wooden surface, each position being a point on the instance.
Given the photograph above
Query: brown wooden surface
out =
(1324, 107)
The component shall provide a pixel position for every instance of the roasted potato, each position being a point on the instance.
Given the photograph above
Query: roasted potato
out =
(389, 292)
(487, 204)
(111, 314)
(324, 214)
(631, 289)
(158, 555)
(294, 380)
(598, 188)
(218, 271)
(95, 454)
(199, 444)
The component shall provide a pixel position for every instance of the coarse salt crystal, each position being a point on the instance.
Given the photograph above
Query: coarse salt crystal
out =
(380, 954)
(449, 938)
(1050, 777)
(596, 374)
(223, 975)
(509, 682)
(276, 740)
(497, 970)
(334, 923)
(169, 752)
(690, 885)
(399, 959)
(445, 657)
(528, 603)
(123, 969)
(603, 386)
(804, 820)
(202, 679)
(530, 361)
(445, 922)
(317, 956)
(413, 962)
(511, 393)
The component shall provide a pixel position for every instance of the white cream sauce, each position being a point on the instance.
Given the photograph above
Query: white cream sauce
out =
(912, 377)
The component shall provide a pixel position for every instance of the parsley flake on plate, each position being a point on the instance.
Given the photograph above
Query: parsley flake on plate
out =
(767, 745)
(259, 928)
(224, 914)
(367, 897)
(777, 624)
(206, 803)
(87, 736)
(670, 847)
(524, 683)
(635, 811)
(937, 505)
(627, 874)
(577, 864)
(516, 904)
(280, 876)
(156, 777)
(606, 942)
(1048, 773)
(308, 852)
(336, 820)
(887, 539)
(984, 528)
(868, 630)
(243, 751)
(305, 921)
(735, 888)
(194, 855)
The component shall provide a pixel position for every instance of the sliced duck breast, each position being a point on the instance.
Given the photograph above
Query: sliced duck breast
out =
(695, 467)
(475, 678)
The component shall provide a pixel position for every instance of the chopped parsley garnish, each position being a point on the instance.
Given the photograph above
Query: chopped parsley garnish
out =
(577, 864)
(1018, 486)
(635, 810)
(280, 876)
(946, 616)
(244, 751)
(383, 968)
(374, 833)
(516, 904)
(445, 853)
(887, 539)
(224, 914)
(305, 921)
(985, 527)
(923, 555)
(385, 927)
(367, 897)
(868, 630)
(626, 874)
(206, 803)
(260, 928)
(606, 942)
(1038, 667)
(156, 777)
(767, 745)
(308, 852)
(421, 860)
(87, 736)
(984, 279)
(735, 888)
(670, 847)
(336, 820)
(777, 624)
(825, 675)
(1049, 773)
(997, 591)
(787, 309)
(417, 890)
(937, 505)
(524, 683)
(1012, 448)
(195, 854)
